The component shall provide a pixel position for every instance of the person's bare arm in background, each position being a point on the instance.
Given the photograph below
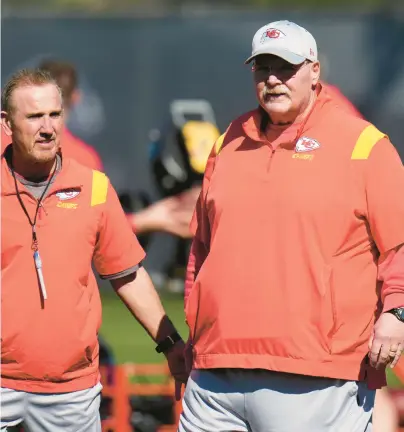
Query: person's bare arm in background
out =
(171, 215)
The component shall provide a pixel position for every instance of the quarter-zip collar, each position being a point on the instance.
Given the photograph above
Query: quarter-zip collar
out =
(289, 135)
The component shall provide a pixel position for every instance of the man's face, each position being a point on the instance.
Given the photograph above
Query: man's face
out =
(35, 122)
(283, 89)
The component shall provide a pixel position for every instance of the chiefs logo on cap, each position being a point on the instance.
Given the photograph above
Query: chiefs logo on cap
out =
(271, 33)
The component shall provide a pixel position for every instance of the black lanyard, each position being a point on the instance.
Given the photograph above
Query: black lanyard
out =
(33, 223)
(34, 245)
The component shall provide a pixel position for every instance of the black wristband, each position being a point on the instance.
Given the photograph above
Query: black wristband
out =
(398, 313)
(168, 342)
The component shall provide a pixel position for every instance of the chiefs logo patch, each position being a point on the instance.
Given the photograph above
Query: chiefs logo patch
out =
(306, 144)
(67, 194)
(271, 33)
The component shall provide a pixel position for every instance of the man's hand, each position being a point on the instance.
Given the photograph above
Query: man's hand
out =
(386, 342)
(171, 215)
(188, 355)
(176, 364)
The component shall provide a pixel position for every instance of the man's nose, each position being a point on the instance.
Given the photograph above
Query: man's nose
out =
(46, 126)
(272, 78)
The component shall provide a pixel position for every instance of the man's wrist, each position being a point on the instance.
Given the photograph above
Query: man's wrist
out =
(397, 312)
(141, 221)
(167, 343)
(167, 336)
(147, 220)
(166, 328)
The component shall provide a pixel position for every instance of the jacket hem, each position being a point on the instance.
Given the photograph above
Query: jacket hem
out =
(353, 369)
(37, 386)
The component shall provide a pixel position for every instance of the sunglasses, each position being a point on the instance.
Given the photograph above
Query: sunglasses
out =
(281, 69)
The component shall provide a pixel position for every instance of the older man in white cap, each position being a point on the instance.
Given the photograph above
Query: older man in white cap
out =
(295, 287)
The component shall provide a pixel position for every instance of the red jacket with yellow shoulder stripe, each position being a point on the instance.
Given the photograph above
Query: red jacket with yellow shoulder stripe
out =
(51, 346)
(283, 270)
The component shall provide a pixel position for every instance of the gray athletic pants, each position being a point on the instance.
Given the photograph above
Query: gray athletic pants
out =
(58, 412)
(223, 400)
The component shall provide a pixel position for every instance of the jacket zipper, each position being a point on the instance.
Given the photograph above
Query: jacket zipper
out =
(270, 159)
(41, 210)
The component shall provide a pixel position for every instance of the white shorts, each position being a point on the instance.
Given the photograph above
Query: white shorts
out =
(51, 412)
(224, 400)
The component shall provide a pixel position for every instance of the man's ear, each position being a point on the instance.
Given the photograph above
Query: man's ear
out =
(315, 73)
(6, 123)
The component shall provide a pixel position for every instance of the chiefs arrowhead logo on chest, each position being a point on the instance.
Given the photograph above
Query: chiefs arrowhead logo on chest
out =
(67, 194)
(306, 144)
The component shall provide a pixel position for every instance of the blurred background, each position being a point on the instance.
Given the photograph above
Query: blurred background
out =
(134, 57)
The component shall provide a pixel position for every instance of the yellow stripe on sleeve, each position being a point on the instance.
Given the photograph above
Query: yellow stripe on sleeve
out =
(365, 143)
(99, 188)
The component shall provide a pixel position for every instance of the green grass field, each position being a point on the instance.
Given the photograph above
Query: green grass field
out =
(130, 343)
(128, 340)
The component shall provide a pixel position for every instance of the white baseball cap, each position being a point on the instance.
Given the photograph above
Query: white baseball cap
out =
(284, 39)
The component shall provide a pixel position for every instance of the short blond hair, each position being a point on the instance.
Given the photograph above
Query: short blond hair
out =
(24, 78)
